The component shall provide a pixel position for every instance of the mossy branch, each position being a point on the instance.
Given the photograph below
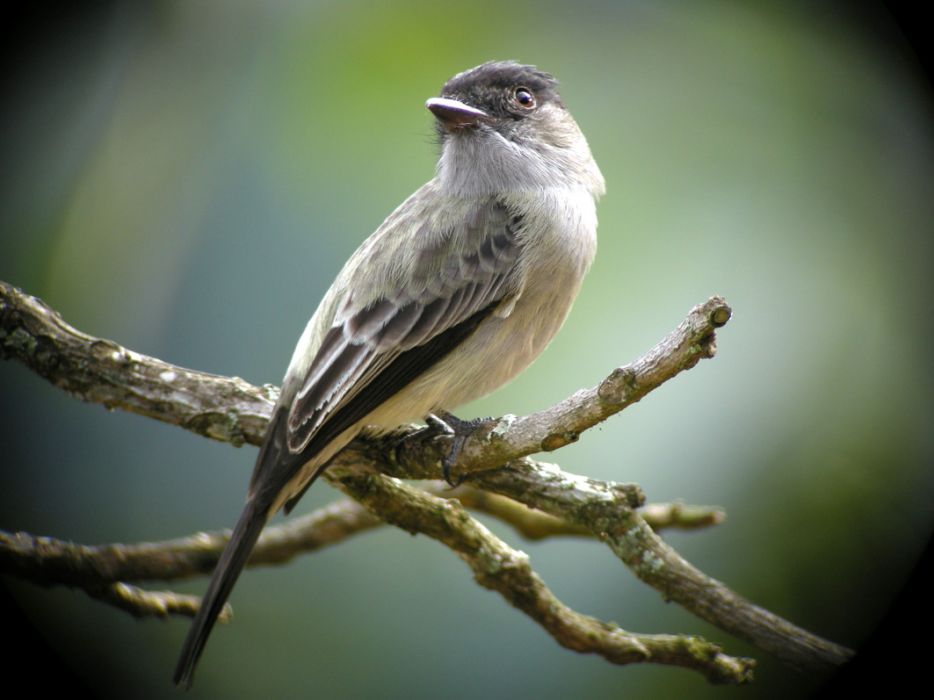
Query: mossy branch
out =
(495, 458)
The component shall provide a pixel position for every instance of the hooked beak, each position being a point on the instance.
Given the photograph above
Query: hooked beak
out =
(454, 114)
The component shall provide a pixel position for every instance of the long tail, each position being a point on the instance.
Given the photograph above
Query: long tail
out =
(233, 559)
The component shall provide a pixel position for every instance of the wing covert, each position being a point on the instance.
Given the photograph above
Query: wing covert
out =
(456, 275)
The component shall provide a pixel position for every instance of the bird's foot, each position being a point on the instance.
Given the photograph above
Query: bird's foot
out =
(444, 423)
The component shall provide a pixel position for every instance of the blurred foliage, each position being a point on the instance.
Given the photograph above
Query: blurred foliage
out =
(187, 178)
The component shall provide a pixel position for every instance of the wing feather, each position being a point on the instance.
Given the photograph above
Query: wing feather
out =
(379, 344)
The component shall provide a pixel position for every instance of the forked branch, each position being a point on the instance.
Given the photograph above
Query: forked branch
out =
(495, 458)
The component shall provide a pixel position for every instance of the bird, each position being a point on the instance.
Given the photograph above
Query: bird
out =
(457, 292)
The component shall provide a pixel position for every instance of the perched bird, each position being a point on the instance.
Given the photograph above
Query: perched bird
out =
(459, 289)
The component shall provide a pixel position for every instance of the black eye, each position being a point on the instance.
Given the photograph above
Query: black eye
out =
(524, 98)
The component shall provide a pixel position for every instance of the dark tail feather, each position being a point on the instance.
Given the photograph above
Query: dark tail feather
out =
(233, 558)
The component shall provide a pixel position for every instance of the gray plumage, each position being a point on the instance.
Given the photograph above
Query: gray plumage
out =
(459, 289)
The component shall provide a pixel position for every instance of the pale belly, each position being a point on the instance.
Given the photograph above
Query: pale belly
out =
(499, 350)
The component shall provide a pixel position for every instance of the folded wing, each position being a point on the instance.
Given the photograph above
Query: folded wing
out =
(377, 346)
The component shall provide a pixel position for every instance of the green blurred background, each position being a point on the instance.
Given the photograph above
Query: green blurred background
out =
(186, 178)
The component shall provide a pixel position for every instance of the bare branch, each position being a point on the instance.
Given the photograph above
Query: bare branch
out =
(498, 441)
(612, 518)
(507, 571)
(496, 454)
(101, 371)
(46, 560)
(49, 561)
(230, 409)
(140, 603)
(496, 566)
(660, 566)
(536, 525)
(531, 524)
(679, 516)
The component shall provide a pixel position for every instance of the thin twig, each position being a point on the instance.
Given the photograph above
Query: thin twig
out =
(141, 603)
(680, 516)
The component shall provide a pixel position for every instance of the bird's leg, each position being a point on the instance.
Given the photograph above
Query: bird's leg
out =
(448, 424)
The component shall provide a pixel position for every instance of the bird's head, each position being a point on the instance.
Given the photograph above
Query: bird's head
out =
(503, 125)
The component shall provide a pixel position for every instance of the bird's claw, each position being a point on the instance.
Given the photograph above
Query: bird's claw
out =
(458, 430)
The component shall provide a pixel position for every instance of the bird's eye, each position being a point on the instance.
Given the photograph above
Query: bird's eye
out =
(524, 98)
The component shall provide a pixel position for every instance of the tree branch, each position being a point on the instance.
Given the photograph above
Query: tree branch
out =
(536, 525)
(101, 371)
(49, 561)
(680, 516)
(495, 442)
(495, 456)
(500, 568)
(607, 511)
(140, 603)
